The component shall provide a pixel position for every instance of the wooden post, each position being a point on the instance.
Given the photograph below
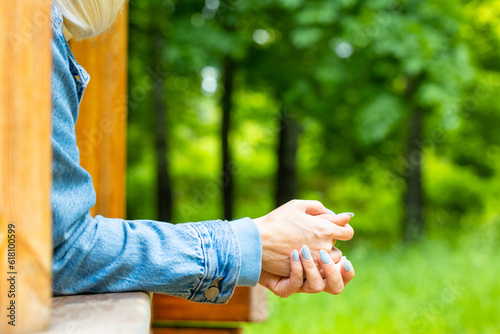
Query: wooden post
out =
(25, 165)
(101, 128)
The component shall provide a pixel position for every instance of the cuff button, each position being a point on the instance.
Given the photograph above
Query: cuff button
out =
(212, 293)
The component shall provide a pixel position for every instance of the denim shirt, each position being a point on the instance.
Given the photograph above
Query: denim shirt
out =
(112, 255)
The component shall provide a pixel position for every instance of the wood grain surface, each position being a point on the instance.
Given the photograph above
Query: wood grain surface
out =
(101, 127)
(247, 304)
(25, 163)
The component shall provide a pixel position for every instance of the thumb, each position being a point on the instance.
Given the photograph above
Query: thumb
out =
(341, 219)
(312, 208)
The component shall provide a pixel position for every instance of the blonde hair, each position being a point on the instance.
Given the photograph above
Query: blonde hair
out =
(88, 18)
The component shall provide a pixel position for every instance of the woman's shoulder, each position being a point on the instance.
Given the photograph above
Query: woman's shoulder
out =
(59, 52)
(57, 22)
(66, 70)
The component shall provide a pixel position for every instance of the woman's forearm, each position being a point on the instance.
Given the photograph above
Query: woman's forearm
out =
(183, 260)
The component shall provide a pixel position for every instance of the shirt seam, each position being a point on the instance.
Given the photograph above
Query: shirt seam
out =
(237, 246)
(205, 264)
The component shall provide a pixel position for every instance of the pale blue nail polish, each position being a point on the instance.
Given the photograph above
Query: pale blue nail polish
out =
(306, 252)
(331, 212)
(350, 214)
(347, 265)
(295, 255)
(324, 256)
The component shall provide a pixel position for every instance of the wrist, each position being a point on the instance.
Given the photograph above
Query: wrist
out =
(249, 242)
(260, 224)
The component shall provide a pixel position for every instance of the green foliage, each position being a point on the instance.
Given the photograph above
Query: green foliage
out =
(350, 73)
(379, 117)
(343, 69)
(454, 193)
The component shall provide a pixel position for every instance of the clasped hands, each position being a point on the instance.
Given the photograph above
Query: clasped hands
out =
(298, 252)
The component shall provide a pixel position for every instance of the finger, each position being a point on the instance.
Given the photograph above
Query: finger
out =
(314, 282)
(343, 233)
(322, 272)
(325, 228)
(336, 254)
(285, 286)
(269, 280)
(340, 220)
(296, 272)
(347, 270)
(312, 208)
(333, 277)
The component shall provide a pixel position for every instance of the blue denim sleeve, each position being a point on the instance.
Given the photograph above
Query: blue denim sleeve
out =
(190, 260)
(250, 249)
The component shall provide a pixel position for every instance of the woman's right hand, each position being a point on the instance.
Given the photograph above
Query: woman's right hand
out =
(297, 223)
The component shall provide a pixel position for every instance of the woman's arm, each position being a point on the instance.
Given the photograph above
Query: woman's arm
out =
(100, 254)
(181, 260)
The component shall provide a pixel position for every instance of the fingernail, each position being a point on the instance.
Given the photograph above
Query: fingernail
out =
(324, 256)
(331, 212)
(306, 252)
(347, 264)
(350, 214)
(295, 255)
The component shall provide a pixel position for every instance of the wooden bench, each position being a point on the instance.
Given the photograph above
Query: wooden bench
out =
(246, 305)
(116, 313)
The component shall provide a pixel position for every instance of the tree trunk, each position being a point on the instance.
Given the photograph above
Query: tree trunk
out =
(164, 189)
(286, 183)
(227, 171)
(414, 217)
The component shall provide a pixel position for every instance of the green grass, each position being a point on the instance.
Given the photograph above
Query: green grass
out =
(436, 286)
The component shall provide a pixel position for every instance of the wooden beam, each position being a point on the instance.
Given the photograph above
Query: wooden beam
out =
(105, 313)
(246, 305)
(101, 127)
(25, 165)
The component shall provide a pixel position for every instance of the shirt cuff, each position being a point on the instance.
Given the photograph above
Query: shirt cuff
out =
(248, 236)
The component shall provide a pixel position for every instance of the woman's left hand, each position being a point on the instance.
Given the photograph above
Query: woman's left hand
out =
(333, 279)
(285, 286)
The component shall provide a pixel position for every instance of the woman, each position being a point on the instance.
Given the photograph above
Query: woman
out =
(107, 255)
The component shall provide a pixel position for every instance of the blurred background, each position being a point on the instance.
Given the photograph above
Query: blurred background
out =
(389, 109)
